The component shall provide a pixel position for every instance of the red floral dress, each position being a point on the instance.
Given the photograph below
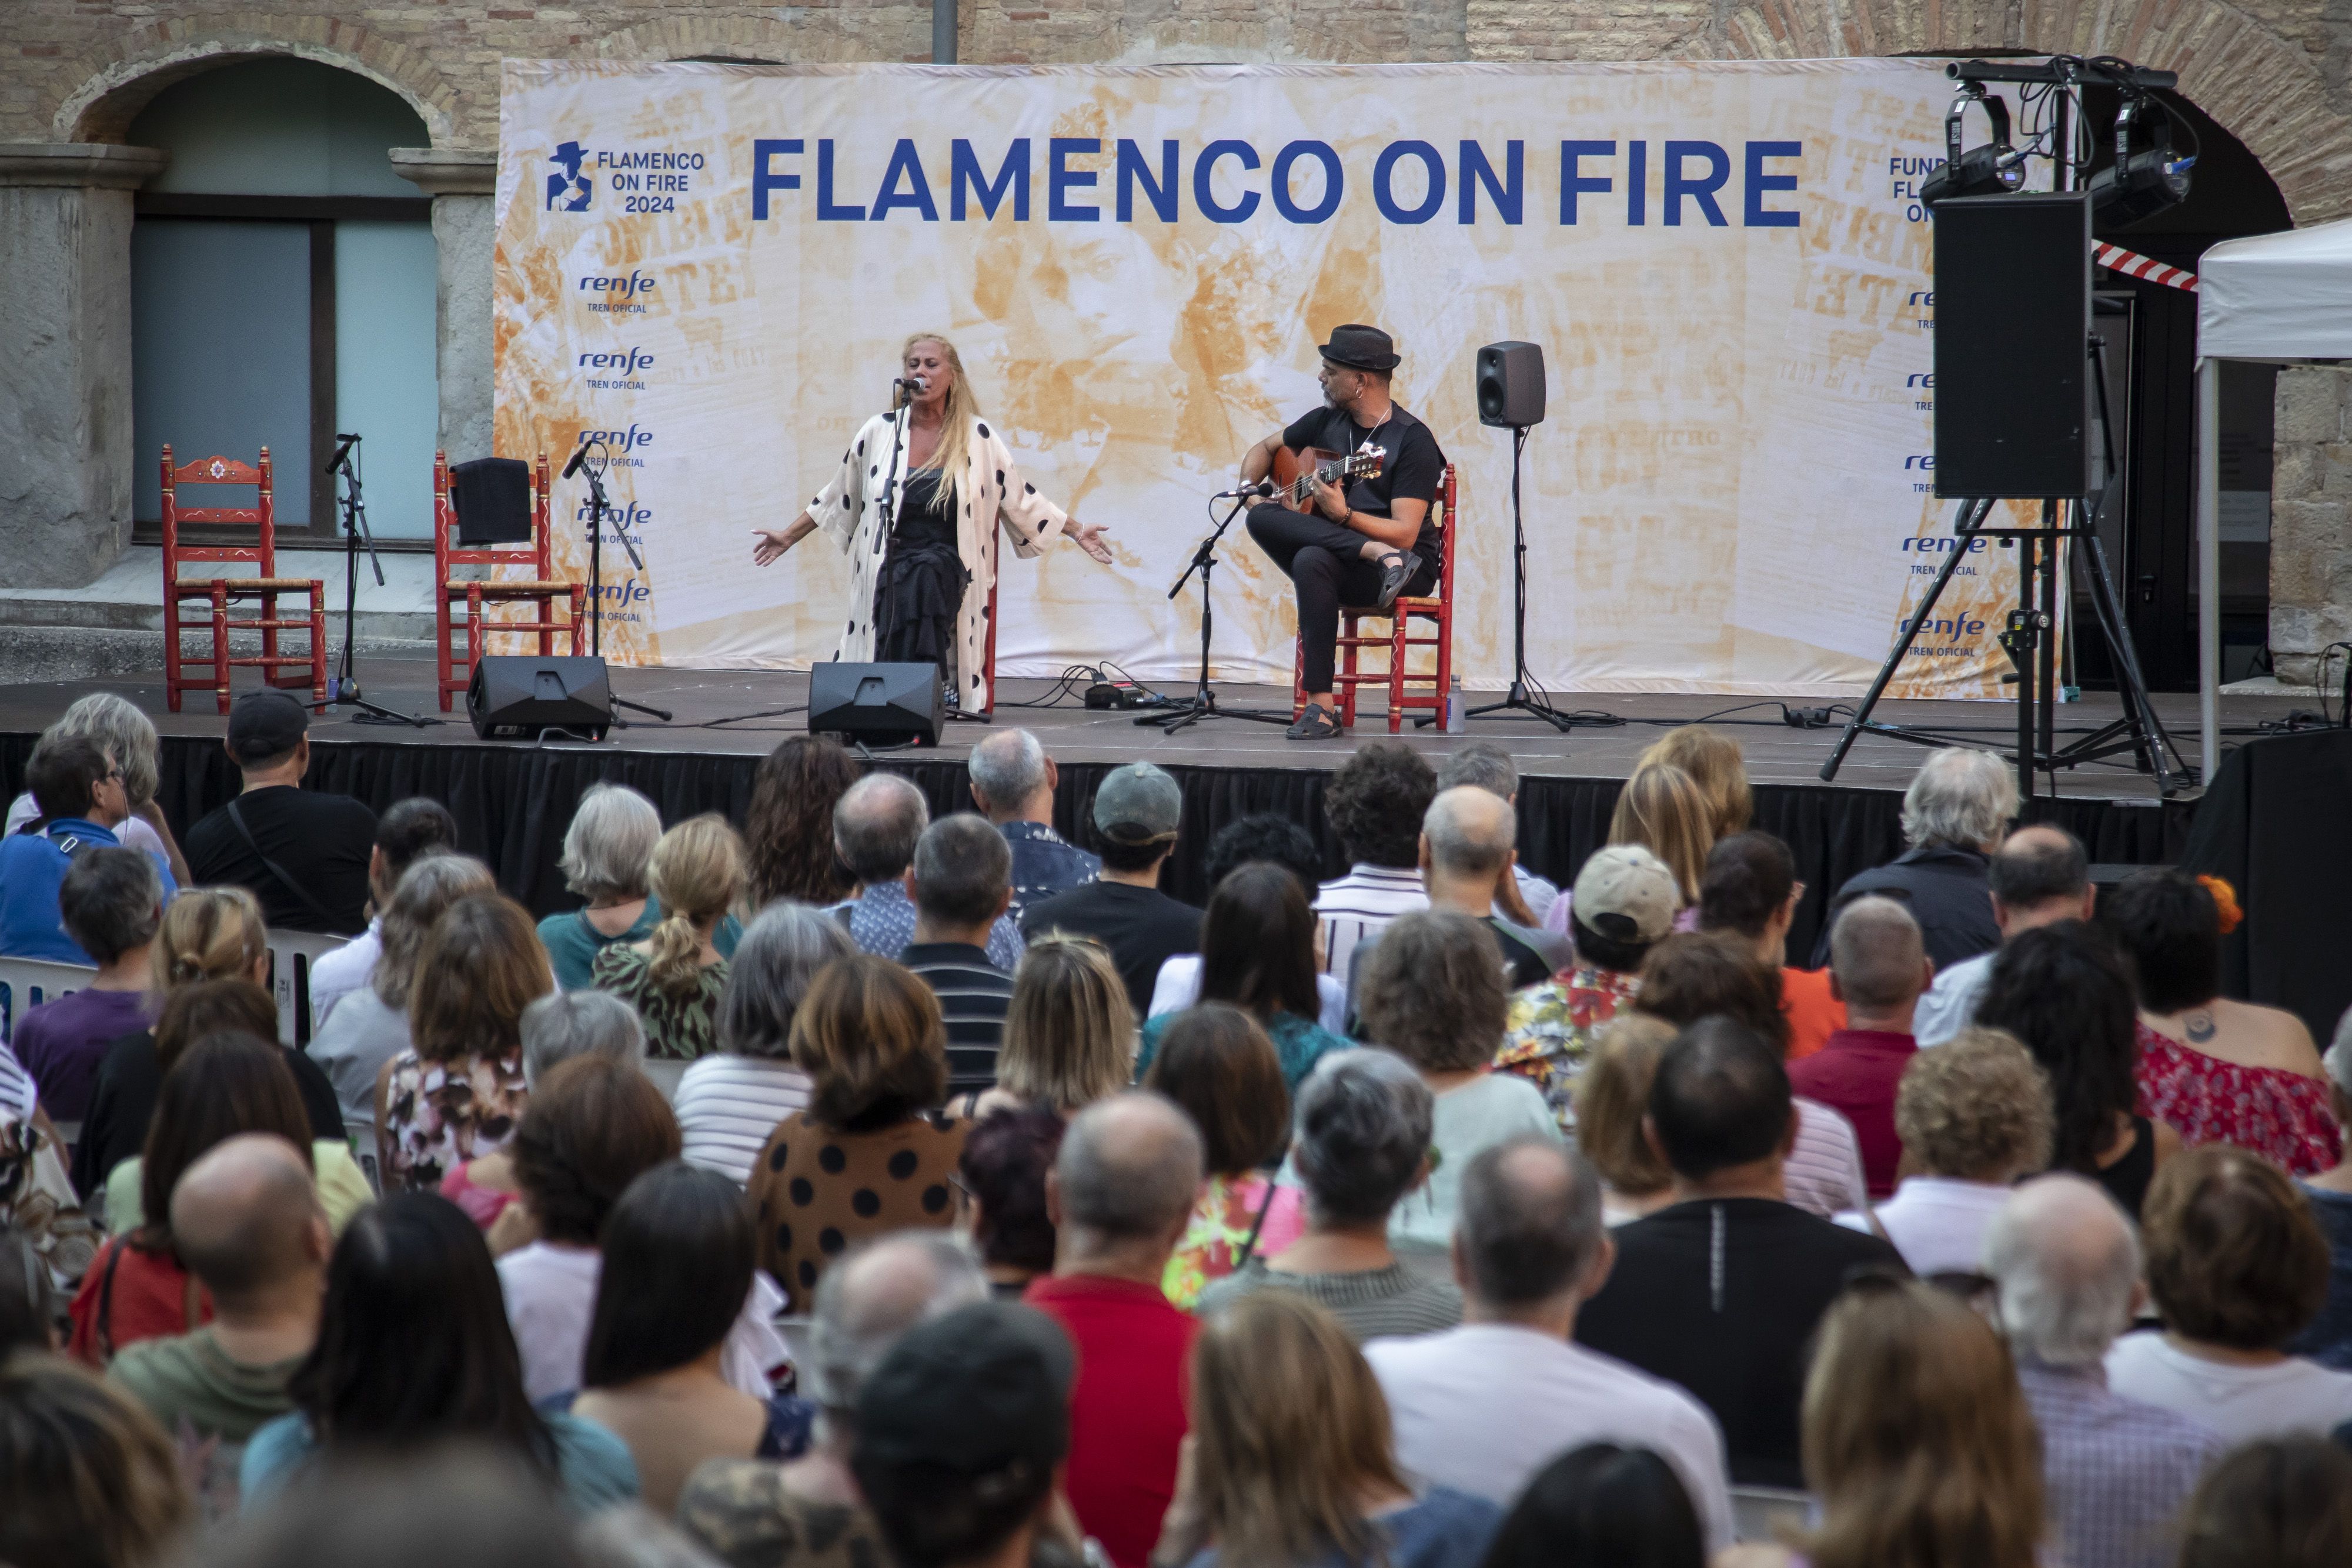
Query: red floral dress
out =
(2281, 1115)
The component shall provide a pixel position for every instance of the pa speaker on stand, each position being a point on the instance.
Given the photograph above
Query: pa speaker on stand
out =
(1510, 387)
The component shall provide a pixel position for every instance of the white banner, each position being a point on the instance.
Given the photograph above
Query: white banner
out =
(1726, 266)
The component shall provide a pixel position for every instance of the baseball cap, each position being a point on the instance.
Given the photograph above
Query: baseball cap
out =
(1138, 804)
(266, 723)
(982, 1392)
(1626, 893)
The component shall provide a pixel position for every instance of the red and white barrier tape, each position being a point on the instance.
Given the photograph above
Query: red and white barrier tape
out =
(2132, 265)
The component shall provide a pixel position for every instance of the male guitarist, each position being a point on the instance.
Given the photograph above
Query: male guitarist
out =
(1362, 546)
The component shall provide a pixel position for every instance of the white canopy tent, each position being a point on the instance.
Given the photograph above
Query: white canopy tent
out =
(2285, 299)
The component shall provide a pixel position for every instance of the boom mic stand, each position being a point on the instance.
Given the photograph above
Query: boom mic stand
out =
(597, 505)
(1523, 697)
(1202, 703)
(343, 687)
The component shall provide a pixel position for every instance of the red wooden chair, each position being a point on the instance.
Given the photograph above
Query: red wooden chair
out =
(1436, 611)
(220, 592)
(476, 595)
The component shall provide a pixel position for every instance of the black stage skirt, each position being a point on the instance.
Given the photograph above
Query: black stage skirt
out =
(922, 582)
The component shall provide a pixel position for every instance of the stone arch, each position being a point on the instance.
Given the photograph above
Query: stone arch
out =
(2266, 89)
(120, 81)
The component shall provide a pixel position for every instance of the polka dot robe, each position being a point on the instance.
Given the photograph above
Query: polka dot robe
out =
(990, 489)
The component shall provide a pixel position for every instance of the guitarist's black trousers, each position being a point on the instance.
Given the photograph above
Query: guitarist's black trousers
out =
(1325, 563)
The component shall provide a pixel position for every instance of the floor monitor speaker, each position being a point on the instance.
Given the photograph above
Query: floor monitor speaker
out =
(881, 704)
(521, 697)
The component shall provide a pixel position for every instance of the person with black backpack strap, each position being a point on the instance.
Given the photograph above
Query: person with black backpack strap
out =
(302, 852)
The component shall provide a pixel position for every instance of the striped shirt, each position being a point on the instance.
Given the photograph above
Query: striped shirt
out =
(18, 1094)
(1822, 1173)
(973, 996)
(1361, 905)
(727, 1106)
(1370, 1304)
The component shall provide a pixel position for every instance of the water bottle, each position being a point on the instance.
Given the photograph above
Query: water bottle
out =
(1456, 711)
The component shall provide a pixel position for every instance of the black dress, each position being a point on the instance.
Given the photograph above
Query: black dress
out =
(922, 582)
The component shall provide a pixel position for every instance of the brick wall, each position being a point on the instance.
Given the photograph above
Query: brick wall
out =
(2274, 72)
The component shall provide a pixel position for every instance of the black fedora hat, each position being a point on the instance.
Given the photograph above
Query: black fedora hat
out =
(1360, 347)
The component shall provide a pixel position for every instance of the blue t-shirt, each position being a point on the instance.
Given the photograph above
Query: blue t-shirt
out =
(594, 1468)
(1445, 1529)
(32, 869)
(573, 944)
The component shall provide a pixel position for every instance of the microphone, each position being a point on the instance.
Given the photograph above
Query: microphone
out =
(1262, 488)
(913, 384)
(337, 460)
(578, 458)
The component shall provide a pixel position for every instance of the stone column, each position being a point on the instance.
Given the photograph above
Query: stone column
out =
(461, 181)
(65, 343)
(2311, 521)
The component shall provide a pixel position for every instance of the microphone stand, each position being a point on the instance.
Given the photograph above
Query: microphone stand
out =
(596, 508)
(343, 687)
(1203, 701)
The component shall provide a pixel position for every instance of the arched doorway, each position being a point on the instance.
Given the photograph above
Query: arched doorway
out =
(2148, 529)
(283, 289)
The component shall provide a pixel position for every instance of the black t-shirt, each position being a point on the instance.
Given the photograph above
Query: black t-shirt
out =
(321, 842)
(1722, 1296)
(122, 1104)
(1142, 926)
(1409, 473)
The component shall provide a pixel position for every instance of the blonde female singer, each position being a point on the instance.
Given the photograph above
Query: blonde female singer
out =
(920, 594)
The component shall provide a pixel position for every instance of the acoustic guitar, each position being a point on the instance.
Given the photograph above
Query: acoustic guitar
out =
(1295, 472)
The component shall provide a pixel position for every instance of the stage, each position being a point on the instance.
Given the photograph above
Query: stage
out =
(513, 800)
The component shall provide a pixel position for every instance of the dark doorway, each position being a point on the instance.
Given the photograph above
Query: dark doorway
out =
(2150, 332)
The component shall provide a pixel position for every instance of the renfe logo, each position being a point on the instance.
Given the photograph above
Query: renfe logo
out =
(627, 440)
(627, 287)
(568, 184)
(626, 365)
(628, 513)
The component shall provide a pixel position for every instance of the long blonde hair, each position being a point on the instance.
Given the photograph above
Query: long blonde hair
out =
(955, 422)
(206, 934)
(1716, 766)
(696, 871)
(1662, 809)
(1292, 1432)
(1069, 1031)
(1916, 1437)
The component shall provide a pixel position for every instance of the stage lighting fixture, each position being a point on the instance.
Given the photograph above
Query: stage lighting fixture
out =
(2140, 184)
(1992, 170)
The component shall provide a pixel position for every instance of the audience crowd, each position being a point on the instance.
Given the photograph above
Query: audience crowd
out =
(848, 1187)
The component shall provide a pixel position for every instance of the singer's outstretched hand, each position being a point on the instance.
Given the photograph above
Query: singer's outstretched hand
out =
(774, 542)
(1088, 538)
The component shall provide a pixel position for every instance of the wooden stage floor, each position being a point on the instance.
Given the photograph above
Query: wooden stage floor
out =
(710, 710)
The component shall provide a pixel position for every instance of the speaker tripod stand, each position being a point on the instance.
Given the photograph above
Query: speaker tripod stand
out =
(2029, 637)
(1523, 698)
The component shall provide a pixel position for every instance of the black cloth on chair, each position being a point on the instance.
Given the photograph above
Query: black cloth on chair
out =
(492, 495)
